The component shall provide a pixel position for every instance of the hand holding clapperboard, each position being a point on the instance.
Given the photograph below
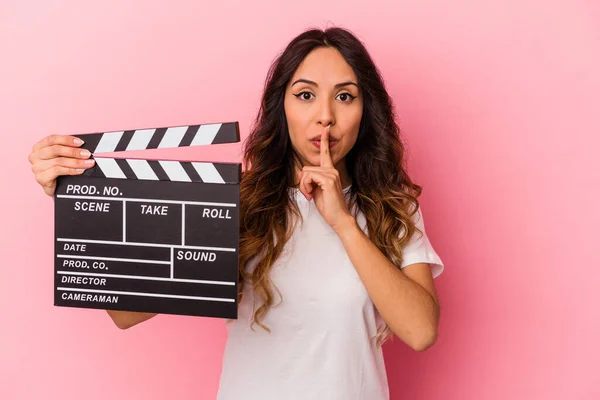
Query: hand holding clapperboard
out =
(150, 236)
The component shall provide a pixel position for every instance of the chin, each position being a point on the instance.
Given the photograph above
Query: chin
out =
(313, 159)
(311, 163)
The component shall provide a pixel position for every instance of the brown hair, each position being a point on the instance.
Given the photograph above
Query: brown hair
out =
(381, 189)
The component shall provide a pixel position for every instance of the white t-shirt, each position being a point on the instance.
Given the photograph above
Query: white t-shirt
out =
(319, 346)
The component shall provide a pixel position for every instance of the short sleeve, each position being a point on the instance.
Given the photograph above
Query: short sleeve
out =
(419, 248)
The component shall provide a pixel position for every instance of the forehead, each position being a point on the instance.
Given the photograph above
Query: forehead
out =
(325, 66)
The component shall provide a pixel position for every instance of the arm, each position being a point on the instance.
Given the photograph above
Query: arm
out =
(406, 299)
(127, 319)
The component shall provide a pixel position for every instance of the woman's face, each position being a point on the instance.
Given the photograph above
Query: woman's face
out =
(323, 91)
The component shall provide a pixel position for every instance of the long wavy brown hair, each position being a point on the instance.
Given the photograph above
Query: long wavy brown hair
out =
(381, 188)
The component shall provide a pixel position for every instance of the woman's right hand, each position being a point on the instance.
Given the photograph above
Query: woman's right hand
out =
(57, 155)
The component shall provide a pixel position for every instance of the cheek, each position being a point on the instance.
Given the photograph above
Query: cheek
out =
(352, 126)
(297, 122)
(297, 116)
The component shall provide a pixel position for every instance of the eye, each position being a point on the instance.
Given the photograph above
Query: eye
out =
(304, 95)
(346, 97)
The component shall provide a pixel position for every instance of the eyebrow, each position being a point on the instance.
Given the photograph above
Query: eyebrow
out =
(339, 85)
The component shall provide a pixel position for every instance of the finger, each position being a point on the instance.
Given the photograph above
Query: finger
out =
(330, 175)
(311, 179)
(48, 177)
(57, 150)
(65, 140)
(326, 171)
(326, 160)
(43, 165)
(308, 183)
(305, 185)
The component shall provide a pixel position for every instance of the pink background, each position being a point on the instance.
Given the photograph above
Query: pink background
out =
(499, 103)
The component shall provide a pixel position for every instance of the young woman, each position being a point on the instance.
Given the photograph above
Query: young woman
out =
(334, 257)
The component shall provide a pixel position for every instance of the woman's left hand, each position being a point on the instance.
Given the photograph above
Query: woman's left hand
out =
(323, 184)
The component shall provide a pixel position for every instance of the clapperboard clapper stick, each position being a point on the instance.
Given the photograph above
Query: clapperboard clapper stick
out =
(149, 235)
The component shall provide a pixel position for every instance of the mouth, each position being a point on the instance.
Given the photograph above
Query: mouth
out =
(317, 143)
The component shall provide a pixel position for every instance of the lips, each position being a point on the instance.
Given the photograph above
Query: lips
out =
(318, 137)
(317, 143)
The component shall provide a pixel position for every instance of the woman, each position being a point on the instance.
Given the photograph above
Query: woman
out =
(333, 252)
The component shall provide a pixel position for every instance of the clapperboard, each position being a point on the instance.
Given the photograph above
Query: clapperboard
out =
(150, 235)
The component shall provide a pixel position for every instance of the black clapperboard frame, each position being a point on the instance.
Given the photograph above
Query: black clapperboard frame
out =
(157, 236)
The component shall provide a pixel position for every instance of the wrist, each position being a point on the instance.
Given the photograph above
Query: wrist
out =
(347, 227)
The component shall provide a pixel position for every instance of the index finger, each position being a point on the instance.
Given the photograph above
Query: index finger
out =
(326, 160)
(51, 140)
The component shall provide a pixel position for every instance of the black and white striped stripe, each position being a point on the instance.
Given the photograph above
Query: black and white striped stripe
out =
(161, 138)
(163, 170)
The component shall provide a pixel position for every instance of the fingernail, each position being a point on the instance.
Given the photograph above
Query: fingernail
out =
(78, 141)
(85, 153)
(80, 170)
(88, 162)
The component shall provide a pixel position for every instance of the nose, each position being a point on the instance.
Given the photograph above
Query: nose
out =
(326, 116)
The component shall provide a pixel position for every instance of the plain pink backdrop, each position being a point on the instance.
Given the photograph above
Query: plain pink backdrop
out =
(498, 102)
